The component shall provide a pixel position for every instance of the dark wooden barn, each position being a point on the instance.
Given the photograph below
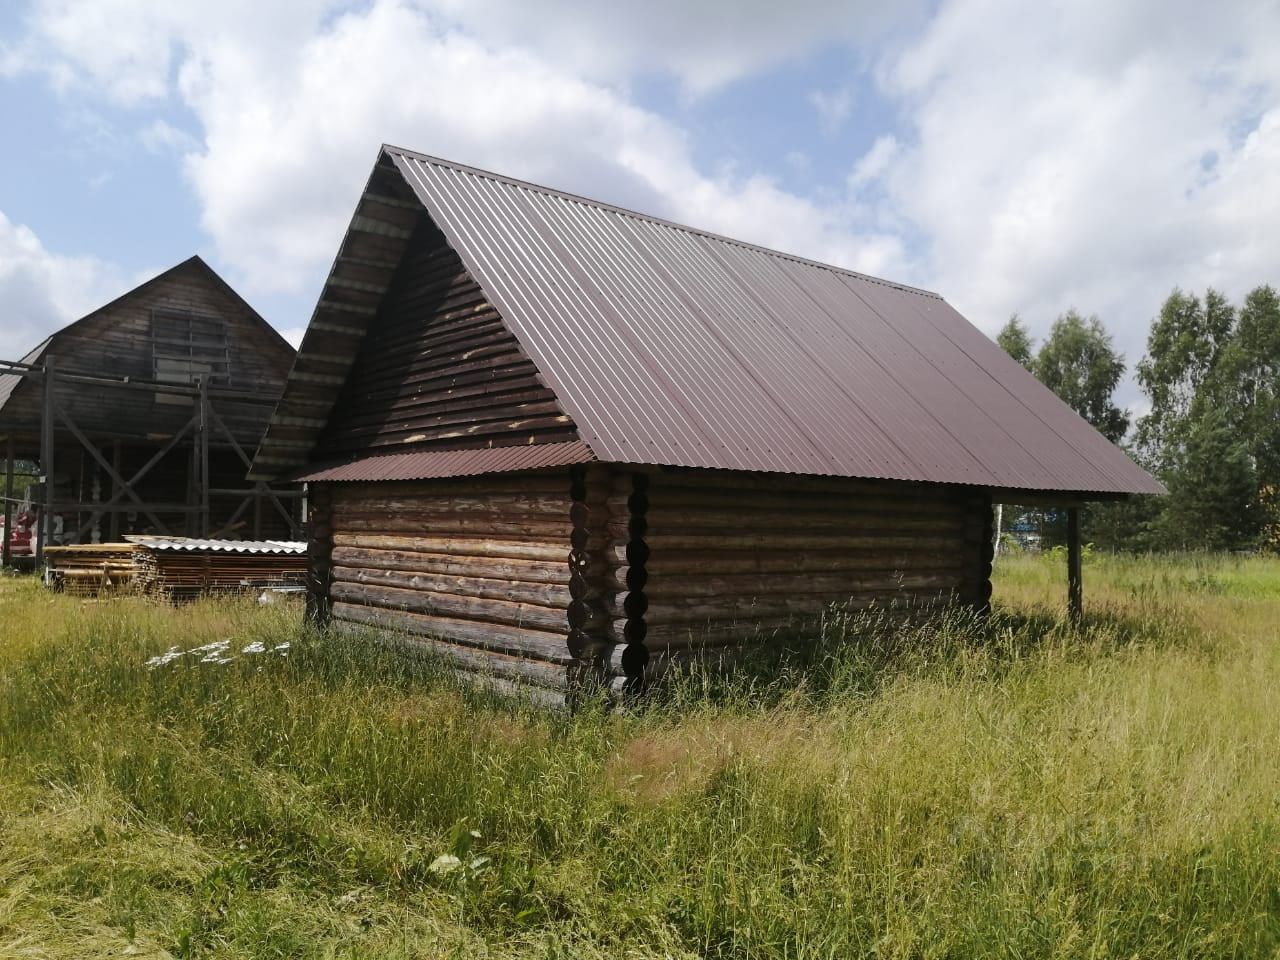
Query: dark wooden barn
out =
(144, 414)
(556, 439)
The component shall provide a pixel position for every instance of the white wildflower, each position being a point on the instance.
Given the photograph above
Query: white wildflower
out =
(445, 863)
(163, 659)
(218, 646)
(255, 647)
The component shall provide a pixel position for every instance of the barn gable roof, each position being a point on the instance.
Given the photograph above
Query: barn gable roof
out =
(673, 346)
(9, 382)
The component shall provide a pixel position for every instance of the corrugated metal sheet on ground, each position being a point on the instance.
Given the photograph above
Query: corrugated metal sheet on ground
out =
(672, 346)
(433, 464)
(195, 545)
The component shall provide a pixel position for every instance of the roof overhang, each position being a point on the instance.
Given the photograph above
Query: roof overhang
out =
(440, 464)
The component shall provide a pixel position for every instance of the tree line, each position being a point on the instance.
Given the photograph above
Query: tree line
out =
(1211, 434)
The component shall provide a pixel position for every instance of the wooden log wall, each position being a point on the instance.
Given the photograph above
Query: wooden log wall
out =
(610, 575)
(439, 368)
(711, 559)
(487, 571)
(588, 574)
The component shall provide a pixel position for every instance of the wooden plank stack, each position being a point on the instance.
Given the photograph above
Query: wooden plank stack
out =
(91, 569)
(185, 569)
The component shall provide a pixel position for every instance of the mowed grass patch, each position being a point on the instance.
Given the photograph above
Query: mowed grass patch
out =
(1008, 788)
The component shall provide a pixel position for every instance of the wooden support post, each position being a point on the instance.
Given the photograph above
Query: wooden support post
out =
(1075, 588)
(257, 510)
(203, 476)
(45, 527)
(113, 518)
(320, 555)
(5, 556)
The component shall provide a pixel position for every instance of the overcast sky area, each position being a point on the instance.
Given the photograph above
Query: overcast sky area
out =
(1011, 156)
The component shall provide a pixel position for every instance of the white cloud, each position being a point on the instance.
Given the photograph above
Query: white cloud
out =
(42, 291)
(160, 136)
(290, 130)
(705, 44)
(833, 107)
(1089, 154)
(1058, 158)
(873, 164)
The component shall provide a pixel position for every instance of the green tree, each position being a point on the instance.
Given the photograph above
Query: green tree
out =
(1213, 491)
(1245, 382)
(1015, 340)
(1079, 363)
(1183, 347)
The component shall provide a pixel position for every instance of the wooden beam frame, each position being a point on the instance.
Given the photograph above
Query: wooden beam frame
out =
(127, 487)
(260, 489)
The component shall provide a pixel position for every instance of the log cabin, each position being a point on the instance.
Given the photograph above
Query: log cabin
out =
(563, 442)
(143, 416)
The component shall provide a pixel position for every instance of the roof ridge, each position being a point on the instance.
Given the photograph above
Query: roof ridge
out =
(650, 218)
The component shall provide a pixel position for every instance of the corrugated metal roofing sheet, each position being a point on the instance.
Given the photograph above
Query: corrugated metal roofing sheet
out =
(668, 345)
(196, 545)
(434, 464)
(10, 381)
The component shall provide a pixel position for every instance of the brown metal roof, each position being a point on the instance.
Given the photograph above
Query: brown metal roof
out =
(668, 345)
(674, 346)
(432, 464)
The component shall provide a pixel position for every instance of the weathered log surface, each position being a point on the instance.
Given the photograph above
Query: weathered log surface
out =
(481, 653)
(478, 565)
(626, 572)
(454, 546)
(732, 558)
(543, 594)
(495, 568)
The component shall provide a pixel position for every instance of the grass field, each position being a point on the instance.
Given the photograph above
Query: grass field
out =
(1013, 789)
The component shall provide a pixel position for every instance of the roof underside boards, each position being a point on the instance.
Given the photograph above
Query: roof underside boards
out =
(435, 464)
(671, 346)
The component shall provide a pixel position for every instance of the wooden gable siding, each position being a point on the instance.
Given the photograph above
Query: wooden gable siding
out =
(116, 342)
(439, 369)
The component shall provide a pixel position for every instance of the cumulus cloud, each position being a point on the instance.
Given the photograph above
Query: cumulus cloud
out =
(290, 129)
(833, 106)
(41, 290)
(1090, 154)
(705, 45)
(1040, 157)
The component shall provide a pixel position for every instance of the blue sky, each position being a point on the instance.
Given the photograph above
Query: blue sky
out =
(1014, 157)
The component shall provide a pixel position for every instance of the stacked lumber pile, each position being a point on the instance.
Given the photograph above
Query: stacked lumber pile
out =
(182, 569)
(90, 569)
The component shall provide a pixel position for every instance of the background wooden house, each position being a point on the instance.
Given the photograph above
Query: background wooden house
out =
(557, 439)
(143, 415)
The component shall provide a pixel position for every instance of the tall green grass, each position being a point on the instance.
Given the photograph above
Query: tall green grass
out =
(961, 788)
